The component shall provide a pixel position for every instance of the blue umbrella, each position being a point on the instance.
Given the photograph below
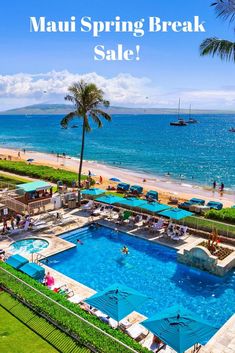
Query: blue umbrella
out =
(109, 199)
(132, 202)
(93, 192)
(154, 207)
(179, 328)
(115, 179)
(117, 301)
(175, 213)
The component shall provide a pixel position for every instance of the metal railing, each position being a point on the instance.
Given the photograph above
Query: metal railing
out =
(83, 324)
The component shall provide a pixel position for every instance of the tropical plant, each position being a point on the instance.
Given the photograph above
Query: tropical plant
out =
(223, 48)
(87, 99)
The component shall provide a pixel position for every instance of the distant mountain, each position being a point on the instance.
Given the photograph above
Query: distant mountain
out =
(62, 109)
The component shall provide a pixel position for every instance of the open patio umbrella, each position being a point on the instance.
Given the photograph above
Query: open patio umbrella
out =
(109, 199)
(117, 301)
(175, 213)
(154, 207)
(93, 192)
(115, 179)
(179, 328)
(132, 202)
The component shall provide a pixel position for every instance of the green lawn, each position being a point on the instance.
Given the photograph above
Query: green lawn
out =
(16, 337)
(208, 225)
(13, 180)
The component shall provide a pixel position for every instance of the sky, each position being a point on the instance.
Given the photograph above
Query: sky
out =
(39, 67)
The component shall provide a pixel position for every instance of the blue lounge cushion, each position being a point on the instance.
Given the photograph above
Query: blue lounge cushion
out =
(17, 261)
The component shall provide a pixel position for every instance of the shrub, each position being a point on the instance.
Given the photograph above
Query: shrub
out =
(40, 172)
(224, 215)
(86, 333)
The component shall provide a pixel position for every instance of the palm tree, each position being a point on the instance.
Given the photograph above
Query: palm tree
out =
(225, 49)
(87, 99)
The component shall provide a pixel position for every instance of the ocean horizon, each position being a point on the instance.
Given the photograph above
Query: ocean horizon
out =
(197, 153)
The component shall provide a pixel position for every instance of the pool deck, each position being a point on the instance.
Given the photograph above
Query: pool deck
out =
(222, 342)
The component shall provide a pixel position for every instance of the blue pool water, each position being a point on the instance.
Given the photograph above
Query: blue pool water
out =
(149, 268)
(28, 246)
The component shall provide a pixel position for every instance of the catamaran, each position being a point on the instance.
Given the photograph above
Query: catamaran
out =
(180, 121)
(191, 120)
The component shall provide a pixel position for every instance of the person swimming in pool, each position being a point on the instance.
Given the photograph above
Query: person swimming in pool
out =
(125, 250)
(79, 242)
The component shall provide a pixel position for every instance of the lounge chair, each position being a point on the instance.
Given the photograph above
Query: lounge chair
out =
(137, 332)
(88, 206)
(158, 227)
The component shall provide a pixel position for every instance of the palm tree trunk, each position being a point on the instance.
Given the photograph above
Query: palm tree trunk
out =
(80, 163)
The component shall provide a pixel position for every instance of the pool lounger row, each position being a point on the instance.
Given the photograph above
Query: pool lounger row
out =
(31, 269)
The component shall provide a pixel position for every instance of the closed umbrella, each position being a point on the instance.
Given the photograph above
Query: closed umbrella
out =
(179, 328)
(117, 301)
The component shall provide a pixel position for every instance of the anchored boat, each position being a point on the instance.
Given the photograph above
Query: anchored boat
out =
(181, 121)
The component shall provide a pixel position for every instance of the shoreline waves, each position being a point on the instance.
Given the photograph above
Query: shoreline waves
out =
(166, 185)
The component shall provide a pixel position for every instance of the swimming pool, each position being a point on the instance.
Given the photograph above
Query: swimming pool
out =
(28, 246)
(149, 268)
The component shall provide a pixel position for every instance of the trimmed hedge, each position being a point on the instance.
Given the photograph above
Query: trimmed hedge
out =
(40, 171)
(87, 334)
(224, 215)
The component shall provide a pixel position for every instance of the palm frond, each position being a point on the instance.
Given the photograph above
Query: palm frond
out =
(65, 121)
(225, 9)
(96, 119)
(222, 48)
(104, 115)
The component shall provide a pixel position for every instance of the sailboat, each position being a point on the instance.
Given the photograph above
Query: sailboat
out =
(180, 121)
(191, 120)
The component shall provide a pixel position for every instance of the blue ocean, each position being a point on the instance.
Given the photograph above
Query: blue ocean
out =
(198, 153)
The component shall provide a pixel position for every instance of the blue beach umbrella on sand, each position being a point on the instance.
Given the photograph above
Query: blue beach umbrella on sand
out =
(30, 160)
(175, 213)
(179, 328)
(115, 179)
(117, 301)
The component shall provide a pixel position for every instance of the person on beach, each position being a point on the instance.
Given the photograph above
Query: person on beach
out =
(101, 180)
(214, 185)
(222, 187)
(19, 154)
(24, 150)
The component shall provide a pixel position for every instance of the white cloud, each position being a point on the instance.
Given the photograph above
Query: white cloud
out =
(124, 89)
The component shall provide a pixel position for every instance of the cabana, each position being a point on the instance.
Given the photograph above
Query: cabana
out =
(215, 205)
(136, 190)
(192, 202)
(17, 261)
(33, 270)
(152, 195)
(123, 187)
(34, 191)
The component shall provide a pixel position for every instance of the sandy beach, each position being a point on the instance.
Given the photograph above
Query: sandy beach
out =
(165, 185)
